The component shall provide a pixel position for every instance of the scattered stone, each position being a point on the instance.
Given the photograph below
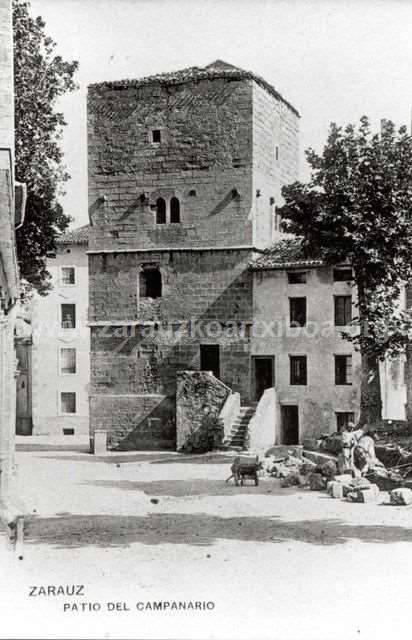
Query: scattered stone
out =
(335, 489)
(292, 479)
(328, 469)
(366, 495)
(317, 482)
(401, 496)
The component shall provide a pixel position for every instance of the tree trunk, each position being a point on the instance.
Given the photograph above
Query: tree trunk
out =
(371, 401)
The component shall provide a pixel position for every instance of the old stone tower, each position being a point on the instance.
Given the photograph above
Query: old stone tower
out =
(185, 171)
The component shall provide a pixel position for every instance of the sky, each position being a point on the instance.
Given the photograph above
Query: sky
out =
(334, 60)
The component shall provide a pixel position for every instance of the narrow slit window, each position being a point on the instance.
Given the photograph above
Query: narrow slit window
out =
(160, 211)
(174, 210)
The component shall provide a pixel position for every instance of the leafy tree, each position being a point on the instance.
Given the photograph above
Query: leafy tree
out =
(356, 208)
(41, 77)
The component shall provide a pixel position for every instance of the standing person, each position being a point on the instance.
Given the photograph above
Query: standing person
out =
(345, 461)
(364, 455)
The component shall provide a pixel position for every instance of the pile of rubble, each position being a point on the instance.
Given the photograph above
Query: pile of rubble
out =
(293, 470)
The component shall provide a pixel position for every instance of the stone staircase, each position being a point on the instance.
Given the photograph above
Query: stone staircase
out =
(237, 436)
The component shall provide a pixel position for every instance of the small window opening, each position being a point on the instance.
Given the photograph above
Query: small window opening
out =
(68, 316)
(68, 432)
(342, 275)
(160, 211)
(174, 210)
(150, 283)
(297, 312)
(343, 418)
(68, 402)
(156, 135)
(192, 192)
(68, 275)
(114, 233)
(343, 369)
(297, 277)
(298, 370)
(343, 310)
(277, 153)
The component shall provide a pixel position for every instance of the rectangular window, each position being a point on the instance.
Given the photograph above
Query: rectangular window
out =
(156, 135)
(298, 370)
(342, 275)
(343, 418)
(343, 369)
(68, 275)
(343, 310)
(68, 316)
(296, 277)
(297, 308)
(67, 402)
(67, 360)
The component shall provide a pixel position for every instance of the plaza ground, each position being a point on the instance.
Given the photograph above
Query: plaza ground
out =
(138, 527)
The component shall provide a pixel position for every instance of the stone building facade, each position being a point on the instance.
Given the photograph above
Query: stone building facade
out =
(59, 364)
(185, 172)
(9, 281)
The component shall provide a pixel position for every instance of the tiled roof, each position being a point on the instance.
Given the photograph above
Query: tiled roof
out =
(217, 69)
(283, 254)
(75, 236)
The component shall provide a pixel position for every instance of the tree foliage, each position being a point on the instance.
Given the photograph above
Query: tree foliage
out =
(357, 208)
(41, 77)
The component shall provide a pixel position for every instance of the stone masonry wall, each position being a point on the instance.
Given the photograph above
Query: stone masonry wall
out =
(205, 153)
(274, 126)
(199, 285)
(207, 299)
(199, 399)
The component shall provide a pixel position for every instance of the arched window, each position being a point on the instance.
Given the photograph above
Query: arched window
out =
(160, 211)
(174, 210)
(150, 283)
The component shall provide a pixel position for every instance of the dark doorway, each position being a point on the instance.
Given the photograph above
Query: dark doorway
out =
(290, 424)
(263, 374)
(210, 358)
(24, 424)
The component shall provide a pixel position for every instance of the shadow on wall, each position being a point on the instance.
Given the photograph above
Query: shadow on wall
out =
(76, 531)
(147, 364)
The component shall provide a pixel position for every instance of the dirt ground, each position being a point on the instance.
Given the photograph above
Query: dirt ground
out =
(138, 529)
